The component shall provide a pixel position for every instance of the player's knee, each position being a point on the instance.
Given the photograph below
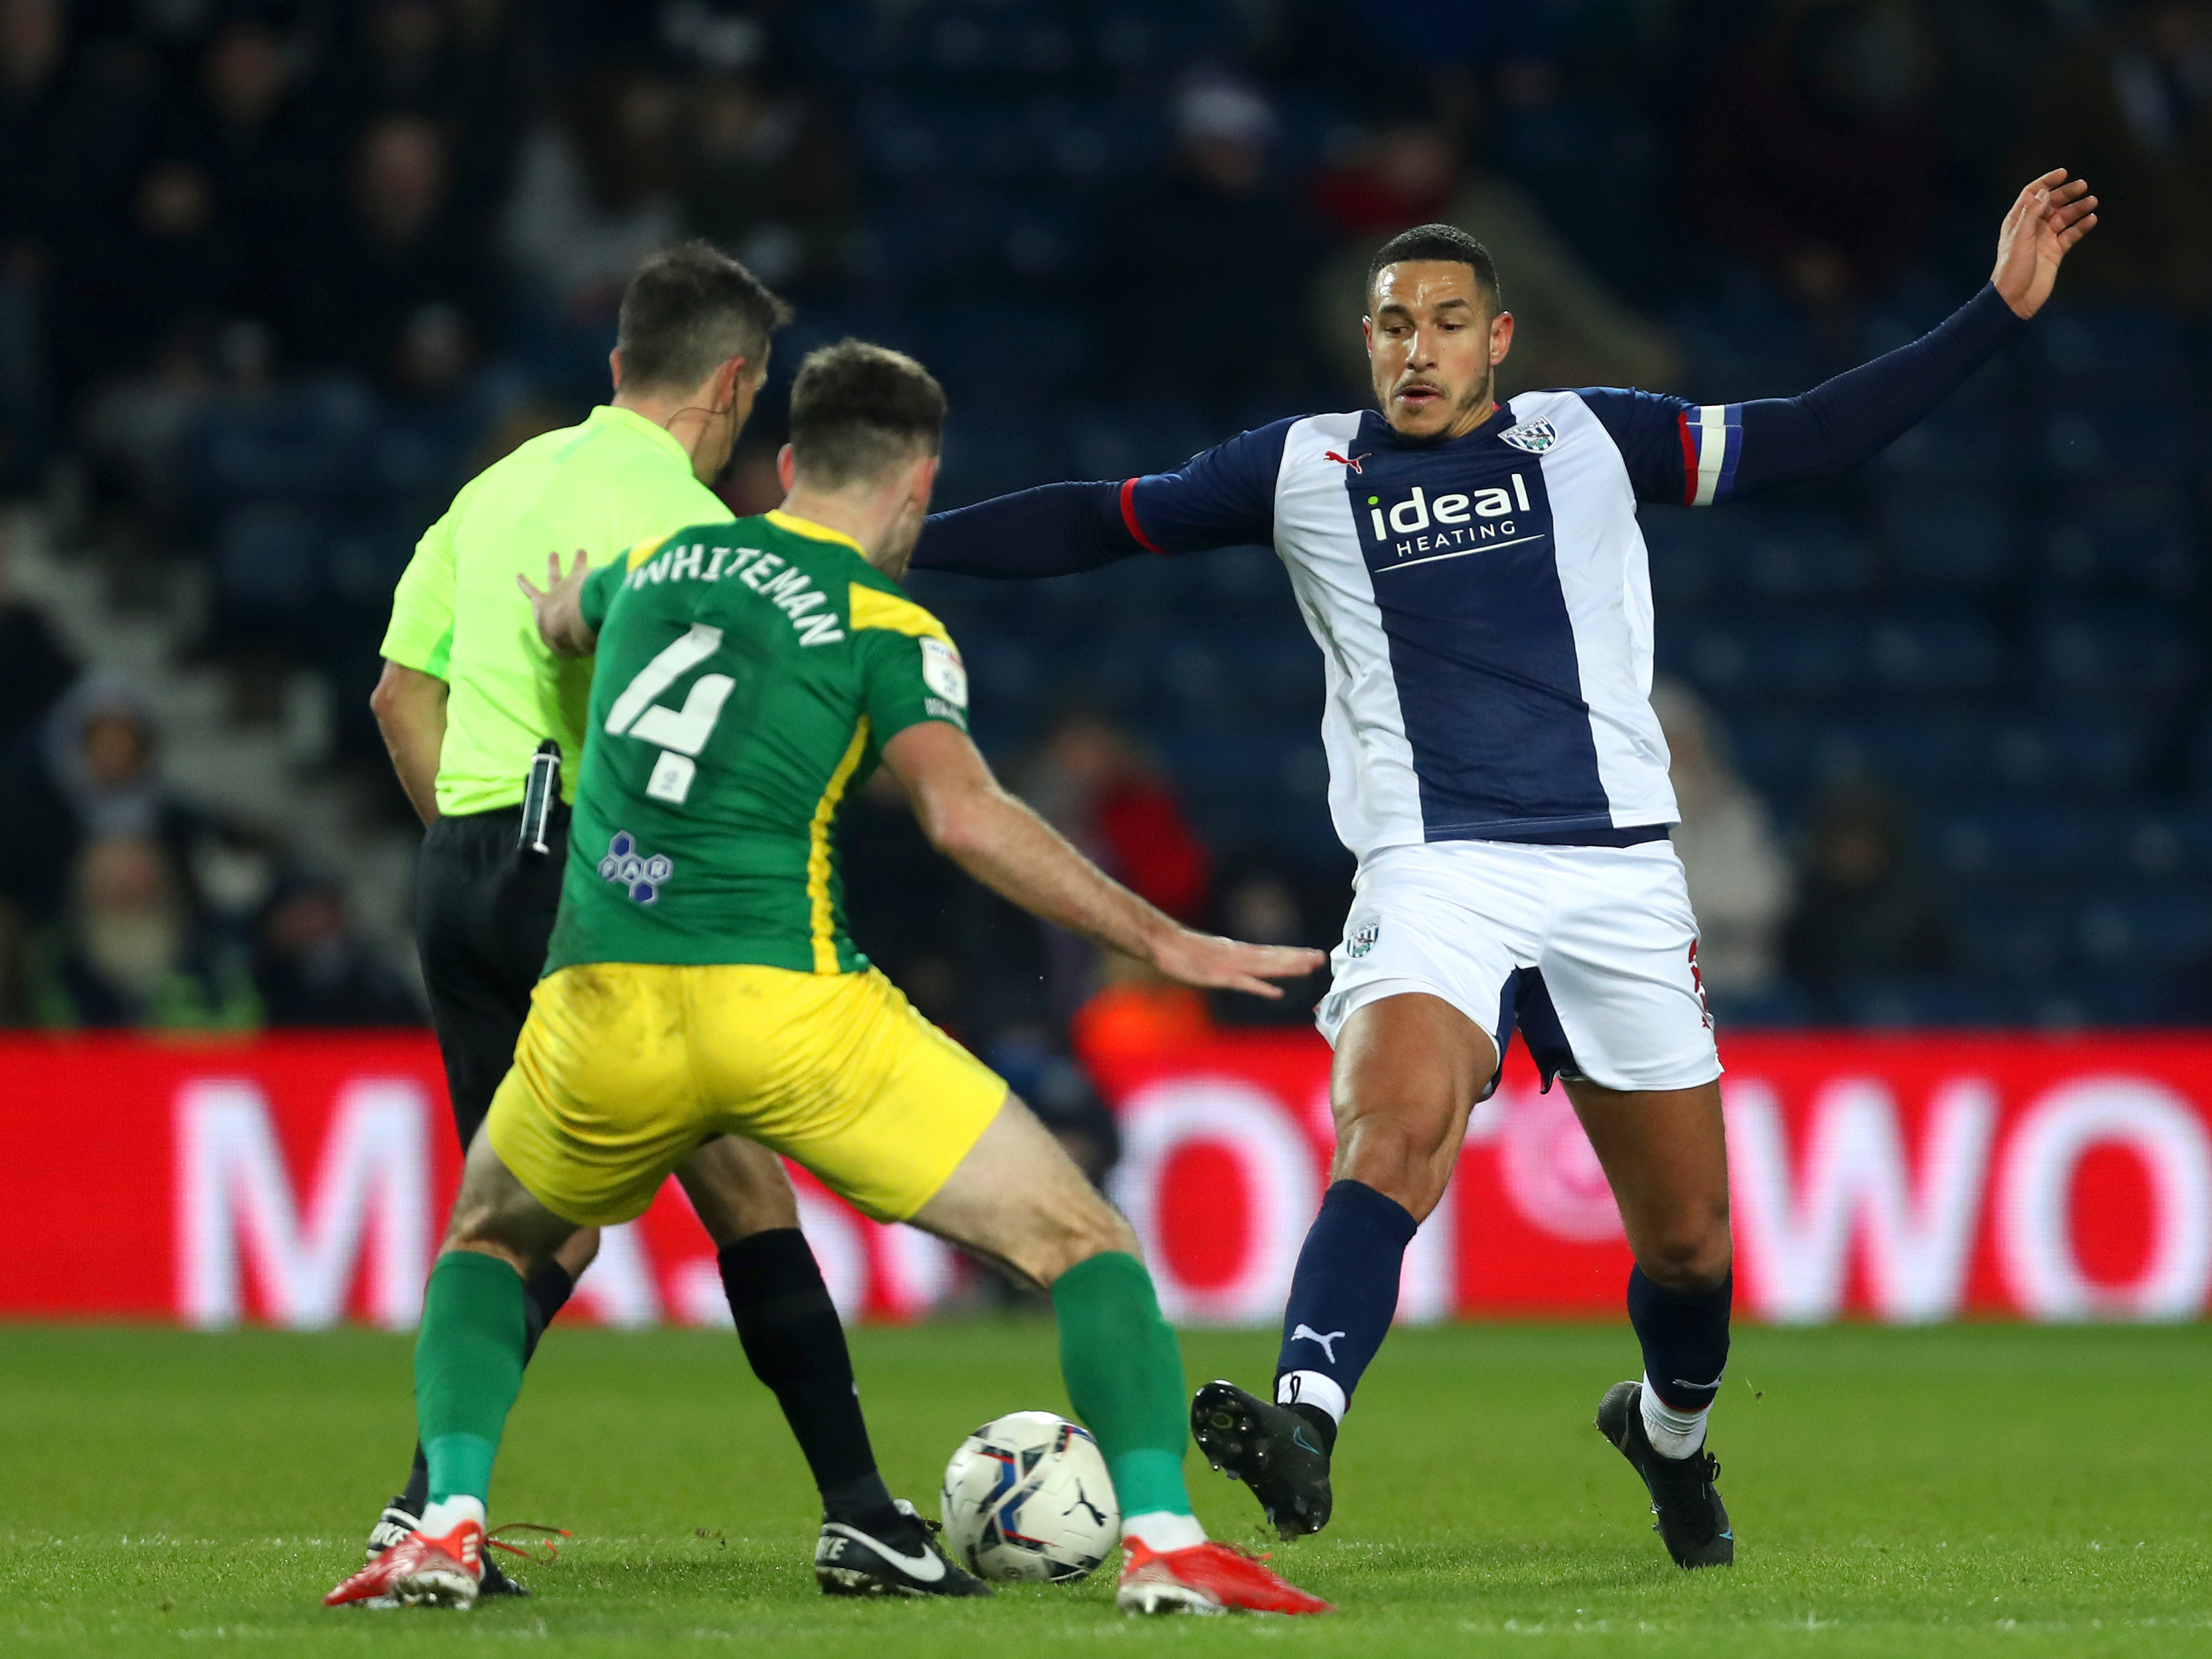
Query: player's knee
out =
(1397, 1155)
(498, 1248)
(1091, 1230)
(580, 1252)
(1691, 1253)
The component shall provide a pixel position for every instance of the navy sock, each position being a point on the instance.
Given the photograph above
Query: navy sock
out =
(545, 1293)
(1343, 1295)
(1685, 1335)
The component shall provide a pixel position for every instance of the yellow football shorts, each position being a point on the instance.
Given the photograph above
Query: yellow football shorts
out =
(624, 1067)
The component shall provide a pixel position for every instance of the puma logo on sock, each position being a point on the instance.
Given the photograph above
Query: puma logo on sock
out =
(1308, 1334)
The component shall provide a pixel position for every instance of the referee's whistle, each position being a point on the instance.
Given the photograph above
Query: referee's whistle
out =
(539, 793)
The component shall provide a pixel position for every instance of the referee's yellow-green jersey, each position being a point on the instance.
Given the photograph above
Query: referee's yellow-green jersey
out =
(604, 486)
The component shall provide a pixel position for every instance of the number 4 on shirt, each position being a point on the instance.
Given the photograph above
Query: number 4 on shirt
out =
(680, 734)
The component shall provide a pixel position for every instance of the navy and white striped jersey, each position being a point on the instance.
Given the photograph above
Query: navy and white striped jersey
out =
(1483, 604)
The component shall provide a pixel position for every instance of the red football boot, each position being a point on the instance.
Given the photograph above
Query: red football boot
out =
(420, 1570)
(1208, 1577)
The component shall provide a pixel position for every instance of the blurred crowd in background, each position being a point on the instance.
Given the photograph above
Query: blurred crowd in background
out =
(276, 278)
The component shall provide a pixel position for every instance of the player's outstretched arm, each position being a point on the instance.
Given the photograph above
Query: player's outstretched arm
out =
(1223, 496)
(1843, 421)
(1055, 530)
(1010, 849)
(559, 607)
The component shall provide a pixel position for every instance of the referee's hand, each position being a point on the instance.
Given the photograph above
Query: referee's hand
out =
(559, 607)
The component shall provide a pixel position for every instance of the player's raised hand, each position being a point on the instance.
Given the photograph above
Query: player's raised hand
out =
(2051, 215)
(558, 606)
(1226, 964)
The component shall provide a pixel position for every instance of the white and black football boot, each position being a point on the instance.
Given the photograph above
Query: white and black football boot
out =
(1272, 1449)
(398, 1521)
(902, 1558)
(1692, 1521)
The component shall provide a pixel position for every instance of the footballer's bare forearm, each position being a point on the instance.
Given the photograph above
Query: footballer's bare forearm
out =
(409, 707)
(1016, 853)
(1003, 843)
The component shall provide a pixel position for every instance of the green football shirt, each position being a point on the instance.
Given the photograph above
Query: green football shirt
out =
(604, 486)
(750, 674)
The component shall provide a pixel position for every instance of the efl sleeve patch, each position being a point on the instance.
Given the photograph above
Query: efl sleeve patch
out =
(943, 672)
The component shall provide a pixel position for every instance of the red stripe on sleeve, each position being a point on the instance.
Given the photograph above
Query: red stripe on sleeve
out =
(1689, 461)
(1129, 518)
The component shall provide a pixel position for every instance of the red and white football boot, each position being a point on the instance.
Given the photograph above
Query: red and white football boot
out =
(1208, 1577)
(421, 1570)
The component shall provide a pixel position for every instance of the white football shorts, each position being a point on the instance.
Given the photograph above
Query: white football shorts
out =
(1590, 950)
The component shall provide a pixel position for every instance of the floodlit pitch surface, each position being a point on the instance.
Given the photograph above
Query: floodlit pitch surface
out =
(1963, 1490)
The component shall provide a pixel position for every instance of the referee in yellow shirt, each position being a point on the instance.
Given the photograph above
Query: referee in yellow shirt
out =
(468, 693)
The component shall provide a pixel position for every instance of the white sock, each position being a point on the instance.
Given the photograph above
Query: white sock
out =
(1312, 1388)
(442, 1518)
(1671, 1433)
(1163, 1530)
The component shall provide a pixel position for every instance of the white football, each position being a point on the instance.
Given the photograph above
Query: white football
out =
(1027, 1498)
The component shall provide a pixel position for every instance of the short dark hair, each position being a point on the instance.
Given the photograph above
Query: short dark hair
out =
(858, 409)
(688, 309)
(1446, 242)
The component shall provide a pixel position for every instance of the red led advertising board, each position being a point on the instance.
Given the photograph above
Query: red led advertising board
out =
(300, 1179)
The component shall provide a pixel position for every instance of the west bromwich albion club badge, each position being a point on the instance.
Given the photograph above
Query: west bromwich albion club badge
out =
(1534, 437)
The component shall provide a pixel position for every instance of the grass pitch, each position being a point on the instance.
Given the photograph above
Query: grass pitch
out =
(1954, 1492)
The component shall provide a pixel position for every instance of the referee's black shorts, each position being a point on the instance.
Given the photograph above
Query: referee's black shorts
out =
(483, 913)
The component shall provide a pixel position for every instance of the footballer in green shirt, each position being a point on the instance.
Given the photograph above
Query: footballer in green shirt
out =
(469, 694)
(701, 982)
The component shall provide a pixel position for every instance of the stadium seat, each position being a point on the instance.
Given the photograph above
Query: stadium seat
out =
(1690, 555)
(989, 354)
(989, 453)
(937, 43)
(1251, 579)
(2137, 539)
(1745, 343)
(2021, 841)
(2123, 354)
(1934, 649)
(1947, 538)
(297, 444)
(269, 560)
(2113, 648)
(1940, 1001)
(2080, 748)
(1787, 556)
(2016, 940)
(1063, 140)
(1956, 444)
(2160, 843)
(2119, 443)
(1121, 440)
(1830, 652)
(2200, 755)
(2145, 929)
(1746, 654)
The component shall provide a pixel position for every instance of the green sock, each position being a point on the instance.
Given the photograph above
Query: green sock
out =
(468, 1369)
(1124, 1374)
